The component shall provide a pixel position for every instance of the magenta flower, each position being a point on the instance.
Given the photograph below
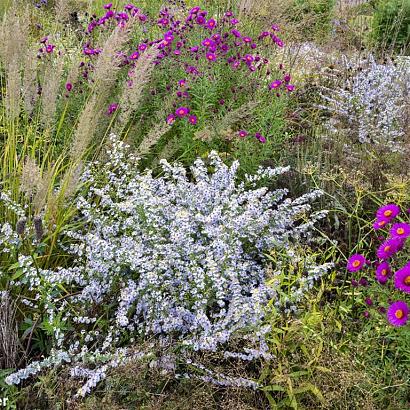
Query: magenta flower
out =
(112, 108)
(383, 272)
(243, 133)
(290, 87)
(400, 230)
(389, 247)
(248, 58)
(182, 83)
(387, 212)
(134, 56)
(402, 278)
(260, 137)
(142, 47)
(50, 48)
(182, 112)
(107, 6)
(398, 313)
(194, 49)
(236, 33)
(368, 301)
(168, 37)
(143, 17)
(211, 23)
(68, 87)
(287, 78)
(170, 119)
(208, 42)
(275, 84)
(234, 22)
(193, 119)
(275, 27)
(247, 40)
(380, 223)
(201, 20)
(211, 56)
(356, 262)
(194, 10)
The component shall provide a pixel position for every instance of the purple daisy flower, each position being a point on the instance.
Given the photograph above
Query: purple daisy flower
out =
(248, 58)
(211, 56)
(290, 87)
(142, 47)
(356, 262)
(234, 22)
(193, 119)
(208, 43)
(387, 212)
(68, 87)
(243, 133)
(260, 137)
(247, 40)
(400, 230)
(402, 278)
(134, 56)
(107, 6)
(389, 248)
(211, 23)
(275, 84)
(236, 33)
(398, 313)
(112, 108)
(380, 223)
(170, 119)
(201, 20)
(182, 112)
(383, 272)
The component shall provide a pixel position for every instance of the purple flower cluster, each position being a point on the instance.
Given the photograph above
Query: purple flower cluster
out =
(398, 312)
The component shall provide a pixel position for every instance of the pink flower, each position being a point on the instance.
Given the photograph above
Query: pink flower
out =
(356, 262)
(193, 119)
(400, 230)
(112, 108)
(68, 87)
(275, 84)
(383, 272)
(243, 133)
(389, 247)
(211, 23)
(402, 279)
(387, 212)
(398, 313)
(170, 119)
(182, 112)
(134, 56)
(211, 56)
(260, 137)
(290, 87)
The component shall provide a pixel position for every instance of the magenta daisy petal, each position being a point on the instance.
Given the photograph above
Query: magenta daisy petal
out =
(380, 223)
(383, 272)
(388, 211)
(193, 119)
(398, 313)
(170, 119)
(389, 248)
(182, 112)
(275, 84)
(356, 262)
(402, 278)
(400, 230)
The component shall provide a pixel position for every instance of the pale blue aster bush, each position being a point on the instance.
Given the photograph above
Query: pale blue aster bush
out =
(179, 258)
(370, 104)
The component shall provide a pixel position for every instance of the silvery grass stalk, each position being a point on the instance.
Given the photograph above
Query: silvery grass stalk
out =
(180, 257)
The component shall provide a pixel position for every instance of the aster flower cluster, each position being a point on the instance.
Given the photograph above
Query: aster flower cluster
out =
(196, 45)
(371, 103)
(390, 247)
(180, 257)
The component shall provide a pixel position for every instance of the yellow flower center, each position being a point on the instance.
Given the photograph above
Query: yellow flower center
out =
(356, 263)
(384, 272)
(382, 223)
(400, 231)
(399, 314)
(388, 212)
(407, 280)
(387, 248)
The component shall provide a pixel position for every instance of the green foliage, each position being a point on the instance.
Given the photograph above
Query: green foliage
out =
(313, 16)
(391, 25)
